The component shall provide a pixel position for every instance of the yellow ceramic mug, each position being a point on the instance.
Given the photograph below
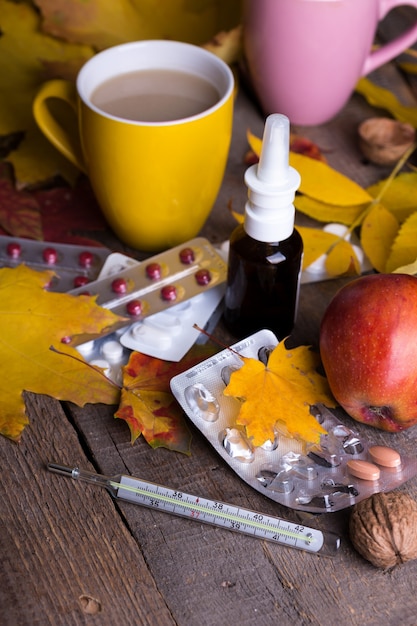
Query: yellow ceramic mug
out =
(156, 177)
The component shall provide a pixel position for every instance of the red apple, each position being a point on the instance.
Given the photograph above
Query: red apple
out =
(368, 347)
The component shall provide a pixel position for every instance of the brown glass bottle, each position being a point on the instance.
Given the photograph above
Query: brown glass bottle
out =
(262, 284)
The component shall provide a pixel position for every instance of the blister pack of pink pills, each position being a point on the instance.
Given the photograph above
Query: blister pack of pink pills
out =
(161, 282)
(341, 470)
(74, 266)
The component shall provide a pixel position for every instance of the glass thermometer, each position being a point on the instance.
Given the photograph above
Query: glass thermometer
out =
(212, 512)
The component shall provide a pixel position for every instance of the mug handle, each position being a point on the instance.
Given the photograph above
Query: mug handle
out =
(67, 144)
(395, 47)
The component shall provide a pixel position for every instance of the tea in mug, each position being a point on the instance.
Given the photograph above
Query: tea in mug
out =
(155, 95)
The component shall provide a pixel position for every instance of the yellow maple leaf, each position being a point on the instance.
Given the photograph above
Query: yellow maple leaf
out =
(33, 320)
(280, 392)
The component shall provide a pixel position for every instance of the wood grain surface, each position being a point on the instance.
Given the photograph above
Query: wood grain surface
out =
(71, 555)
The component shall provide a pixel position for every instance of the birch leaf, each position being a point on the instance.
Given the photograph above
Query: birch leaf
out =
(282, 391)
(319, 180)
(323, 212)
(322, 182)
(342, 261)
(379, 229)
(316, 243)
(400, 197)
(385, 99)
(404, 248)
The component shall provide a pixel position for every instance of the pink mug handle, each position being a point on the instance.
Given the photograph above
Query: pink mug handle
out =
(392, 49)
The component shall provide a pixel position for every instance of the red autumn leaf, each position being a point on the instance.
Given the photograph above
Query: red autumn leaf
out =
(19, 210)
(66, 210)
(147, 404)
(53, 214)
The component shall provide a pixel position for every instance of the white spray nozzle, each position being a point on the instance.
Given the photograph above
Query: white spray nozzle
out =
(273, 163)
(272, 183)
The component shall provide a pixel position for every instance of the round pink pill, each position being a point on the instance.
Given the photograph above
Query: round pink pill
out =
(187, 256)
(203, 277)
(134, 307)
(14, 250)
(50, 256)
(80, 281)
(153, 271)
(119, 285)
(169, 293)
(86, 259)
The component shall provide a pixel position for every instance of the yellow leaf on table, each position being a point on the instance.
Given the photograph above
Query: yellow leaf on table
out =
(385, 99)
(400, 196)
(319, 180)
(33, 320)
(404, 249)
(323, 212)
(342, 260)
(322, 182)
(378, 231)
(281, 392)
(26, 59)
(316, 243)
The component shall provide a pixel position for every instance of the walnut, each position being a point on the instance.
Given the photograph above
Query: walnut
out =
(384, 141)
(383, 529)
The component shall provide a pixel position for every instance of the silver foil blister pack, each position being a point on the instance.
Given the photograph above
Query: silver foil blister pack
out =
(341, 470)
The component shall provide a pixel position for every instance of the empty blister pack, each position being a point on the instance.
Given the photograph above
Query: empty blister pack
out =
(341, 470)
(74, 266)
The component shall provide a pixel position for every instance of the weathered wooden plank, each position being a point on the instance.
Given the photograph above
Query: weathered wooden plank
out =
(65, 552)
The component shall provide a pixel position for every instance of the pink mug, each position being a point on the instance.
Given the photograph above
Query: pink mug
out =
(304, 57)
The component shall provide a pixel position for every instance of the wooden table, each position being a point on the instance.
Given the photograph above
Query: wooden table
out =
(70, 555)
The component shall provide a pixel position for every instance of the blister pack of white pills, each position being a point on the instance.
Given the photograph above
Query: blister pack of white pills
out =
(170, 333)
(341, 470)
(74, 266)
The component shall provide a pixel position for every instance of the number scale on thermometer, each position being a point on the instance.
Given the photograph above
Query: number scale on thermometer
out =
(228, 516)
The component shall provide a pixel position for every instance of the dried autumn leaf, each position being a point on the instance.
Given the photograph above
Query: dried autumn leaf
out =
(404, 249)
(104, 23)
(378, 232)
(298, 144)
(33, 319)
(400, 196)
(19, 211)
(24, 57)
(385, 99)
(147, 404)
(283, 391)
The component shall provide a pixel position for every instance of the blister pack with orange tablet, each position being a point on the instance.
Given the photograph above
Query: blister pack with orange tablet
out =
(341, 470)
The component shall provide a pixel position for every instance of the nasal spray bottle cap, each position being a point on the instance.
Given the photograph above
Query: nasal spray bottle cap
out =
(272, 183)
